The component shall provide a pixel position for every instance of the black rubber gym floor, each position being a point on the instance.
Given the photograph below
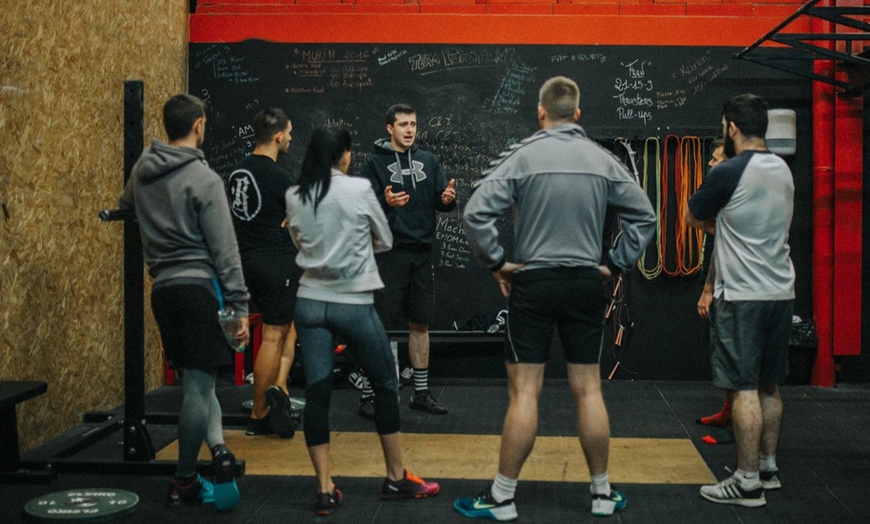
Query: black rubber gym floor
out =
(824, 460)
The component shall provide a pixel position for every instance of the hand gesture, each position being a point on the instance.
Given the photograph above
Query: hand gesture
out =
(449, 194)
(395, 199)
(505, 275)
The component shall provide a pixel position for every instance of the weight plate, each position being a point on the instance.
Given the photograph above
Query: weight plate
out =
(82, 505)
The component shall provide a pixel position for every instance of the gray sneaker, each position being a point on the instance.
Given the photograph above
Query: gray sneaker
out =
(425, 401)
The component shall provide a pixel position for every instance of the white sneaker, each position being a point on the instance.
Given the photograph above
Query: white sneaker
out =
(729, 491)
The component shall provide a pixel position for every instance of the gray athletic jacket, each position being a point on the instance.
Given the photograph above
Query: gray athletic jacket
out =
(184, 220)
(560, 185)
(338, 242)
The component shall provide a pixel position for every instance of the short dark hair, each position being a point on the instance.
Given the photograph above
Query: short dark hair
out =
(268, 123)
(179, 114)
(717, 143)
(749, 114)
(398, 109)
(560, 98)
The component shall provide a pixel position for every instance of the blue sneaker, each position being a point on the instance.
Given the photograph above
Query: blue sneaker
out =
(226, 492)
(195, 491)
(485, 507)
(206, 496)
(606, 505)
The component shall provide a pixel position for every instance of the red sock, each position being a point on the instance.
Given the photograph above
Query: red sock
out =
(719, 419)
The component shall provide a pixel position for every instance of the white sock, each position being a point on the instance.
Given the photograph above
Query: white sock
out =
(747, 478)
(600, 485)
(767, 462)
(503, 488)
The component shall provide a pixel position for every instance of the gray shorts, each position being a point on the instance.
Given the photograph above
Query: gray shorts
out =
(750, 342)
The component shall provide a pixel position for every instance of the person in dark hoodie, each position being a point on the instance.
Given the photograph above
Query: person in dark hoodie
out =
(411, 187)
(186, 231)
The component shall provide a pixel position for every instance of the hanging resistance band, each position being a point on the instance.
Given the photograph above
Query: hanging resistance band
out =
(651, 159)
(688, 240)
(666, 174)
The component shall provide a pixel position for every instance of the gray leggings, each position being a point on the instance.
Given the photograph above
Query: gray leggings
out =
(200, 418)
(318, 323)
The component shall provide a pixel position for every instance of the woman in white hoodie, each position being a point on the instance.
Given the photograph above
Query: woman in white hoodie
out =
(337, 224)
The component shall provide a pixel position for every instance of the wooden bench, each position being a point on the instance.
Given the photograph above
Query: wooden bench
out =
(11, 393)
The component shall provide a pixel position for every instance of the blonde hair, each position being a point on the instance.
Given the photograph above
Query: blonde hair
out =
(560, 98)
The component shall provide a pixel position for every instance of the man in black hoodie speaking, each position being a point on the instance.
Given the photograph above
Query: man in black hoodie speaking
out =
(411, 187)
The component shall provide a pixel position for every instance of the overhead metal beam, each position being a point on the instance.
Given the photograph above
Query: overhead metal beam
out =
(800, 48)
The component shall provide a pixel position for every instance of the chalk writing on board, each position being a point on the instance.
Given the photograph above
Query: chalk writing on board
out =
(670, 99)
(514, 83)
(233, 70)
(458, 58)
(699, 73)
(453, 250)
(316, 70)
(209, 54)
(226, 153)
(633, 92)
(579, 57)
(391, 56)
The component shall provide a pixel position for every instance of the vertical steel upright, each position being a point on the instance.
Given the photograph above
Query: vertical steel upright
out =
(137, 441)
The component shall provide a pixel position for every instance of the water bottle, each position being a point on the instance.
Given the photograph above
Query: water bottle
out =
(229, 320)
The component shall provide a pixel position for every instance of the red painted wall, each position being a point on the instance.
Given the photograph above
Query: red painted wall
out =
(604, 22)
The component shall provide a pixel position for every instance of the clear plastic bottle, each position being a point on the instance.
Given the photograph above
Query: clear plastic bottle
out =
(228, 319)
(230, 323)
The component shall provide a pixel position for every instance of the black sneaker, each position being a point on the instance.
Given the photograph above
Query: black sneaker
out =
(367, 408)
(408, 487)
(226, 492)
(328, 502)
(425, 401)
(259, 426)
(770, 479)
(484, 506)
(280, 413)
(196, 490)
(729, 491)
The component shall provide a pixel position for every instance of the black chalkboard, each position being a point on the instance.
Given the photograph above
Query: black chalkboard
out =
(472, 101)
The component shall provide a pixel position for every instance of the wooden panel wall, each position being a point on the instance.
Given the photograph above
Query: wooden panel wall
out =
(62, 68)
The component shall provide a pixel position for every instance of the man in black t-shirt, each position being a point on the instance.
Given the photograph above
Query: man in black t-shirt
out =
(255, 190)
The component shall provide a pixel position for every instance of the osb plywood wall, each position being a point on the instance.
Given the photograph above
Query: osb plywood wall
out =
(62, 71)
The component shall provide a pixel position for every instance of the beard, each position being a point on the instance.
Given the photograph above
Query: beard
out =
(728, 146)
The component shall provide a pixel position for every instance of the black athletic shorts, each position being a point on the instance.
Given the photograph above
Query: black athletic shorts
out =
(571, 300)
(409, 287)
(272, 281)
(187, 317)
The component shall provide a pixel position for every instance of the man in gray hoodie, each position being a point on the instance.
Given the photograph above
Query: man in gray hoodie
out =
(191, 252)
(560, 185)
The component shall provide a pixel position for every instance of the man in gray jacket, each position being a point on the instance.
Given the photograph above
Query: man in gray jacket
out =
(560, 184)
(191, 252)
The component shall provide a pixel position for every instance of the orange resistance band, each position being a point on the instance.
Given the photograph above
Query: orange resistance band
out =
(688, 240)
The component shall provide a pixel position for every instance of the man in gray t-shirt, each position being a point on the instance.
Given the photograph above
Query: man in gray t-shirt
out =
(747, 201)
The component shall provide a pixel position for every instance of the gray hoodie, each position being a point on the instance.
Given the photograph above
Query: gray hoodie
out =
(184, 221)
